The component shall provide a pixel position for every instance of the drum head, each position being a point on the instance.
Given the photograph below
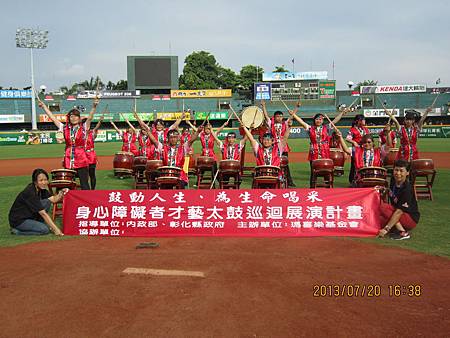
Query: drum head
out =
(252, 115)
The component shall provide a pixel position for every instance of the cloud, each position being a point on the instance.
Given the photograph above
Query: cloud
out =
(71, 71)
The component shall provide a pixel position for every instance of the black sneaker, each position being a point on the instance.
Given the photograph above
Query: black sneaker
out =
(401, 236)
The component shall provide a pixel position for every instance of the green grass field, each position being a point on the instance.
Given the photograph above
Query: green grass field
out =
(430, 236)
(109, 148)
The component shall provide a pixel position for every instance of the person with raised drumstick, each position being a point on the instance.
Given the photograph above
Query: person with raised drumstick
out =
(160, 132)
(402, 213)
(75, 132)
(354, 137)
(91, 154)
(278, 127)
(268, 152)
(366, 154)
(319, 137)
(29, 213)
(409, 132)
(128, 137)
(174, 152)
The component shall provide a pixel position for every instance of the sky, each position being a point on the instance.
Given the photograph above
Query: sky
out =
(392, 42)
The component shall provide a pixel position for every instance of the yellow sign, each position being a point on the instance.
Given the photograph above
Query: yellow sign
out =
(45, 118)
(170, 116)
(199, 93)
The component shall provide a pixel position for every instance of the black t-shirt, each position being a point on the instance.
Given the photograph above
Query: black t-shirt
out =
(403, 198)
(27, 205)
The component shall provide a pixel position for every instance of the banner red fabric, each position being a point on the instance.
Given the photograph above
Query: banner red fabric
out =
(240, 213)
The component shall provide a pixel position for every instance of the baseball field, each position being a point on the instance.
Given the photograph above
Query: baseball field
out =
(215, 287)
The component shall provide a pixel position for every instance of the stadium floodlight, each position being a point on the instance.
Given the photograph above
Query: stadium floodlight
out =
(32, 39)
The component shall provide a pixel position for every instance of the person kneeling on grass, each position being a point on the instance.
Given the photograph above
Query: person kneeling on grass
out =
(30, 208)
(402, 212)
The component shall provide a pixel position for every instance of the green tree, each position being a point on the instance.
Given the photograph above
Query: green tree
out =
(91, 84)
(280, 69)
(248, 75)
(121, 85)
(201, 71)
(227, 78)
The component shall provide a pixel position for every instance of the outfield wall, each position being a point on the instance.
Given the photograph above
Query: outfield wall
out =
(52, 137)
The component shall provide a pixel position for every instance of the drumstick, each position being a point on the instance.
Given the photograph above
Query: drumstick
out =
(354, 102)
(285, 105)
(96, 89)
(214, 180)
(254, 116)
(332, 124)
(432, 105)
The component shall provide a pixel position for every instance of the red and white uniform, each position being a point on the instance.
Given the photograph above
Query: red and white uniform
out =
(90, 151)
(207, 142)
(356, 134)
(319, 138)
(383, 138)
(129, 143)
(268, 156)
(366, 158)
(160, 136)
(230, 151)
(75, 152)
(408, 143)
(278, 130)
(173, 156)
(186, 136)
(146, 147)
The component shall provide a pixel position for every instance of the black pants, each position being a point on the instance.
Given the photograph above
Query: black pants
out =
(83, 175)
(92, 177)
(311, 174)
(351, 175)
(290, 182)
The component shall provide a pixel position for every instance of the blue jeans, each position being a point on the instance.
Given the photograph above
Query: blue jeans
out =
(32, 227)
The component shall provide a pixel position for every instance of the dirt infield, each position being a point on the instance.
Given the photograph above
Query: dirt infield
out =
(24, 166)
(254, 287)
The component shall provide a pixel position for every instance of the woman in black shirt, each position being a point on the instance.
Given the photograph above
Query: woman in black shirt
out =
(29, 211)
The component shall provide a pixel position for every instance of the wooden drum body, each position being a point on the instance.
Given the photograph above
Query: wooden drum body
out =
(167, 171)
(230, 166)
(371, 177)
(123, 163)
(324, 164)
(266, 176)
(139, 163)
(63, 175)
(422, 165)
(390, 158)
(338, 157)
(169, 177)
(266, 171)
(372, 172)
(205, 162)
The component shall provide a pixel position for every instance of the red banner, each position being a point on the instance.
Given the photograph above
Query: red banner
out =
(251, 213)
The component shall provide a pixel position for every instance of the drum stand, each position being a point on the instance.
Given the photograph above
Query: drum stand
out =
(205, 177)
(246, 171)
(422, 181)
(168, 183)
(58, 185)
(140, 179)
(151, 177)
(327, 176)
(225, 178)
(266, 182)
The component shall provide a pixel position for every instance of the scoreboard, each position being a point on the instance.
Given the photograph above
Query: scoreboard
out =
(308, 91)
